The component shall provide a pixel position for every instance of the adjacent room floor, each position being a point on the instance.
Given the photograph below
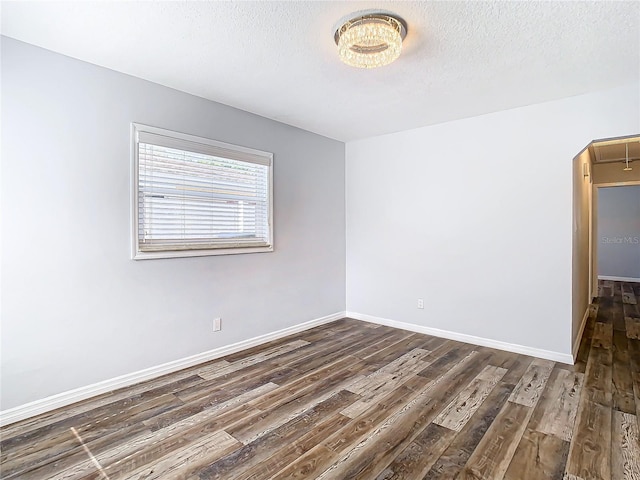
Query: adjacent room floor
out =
(355, 400)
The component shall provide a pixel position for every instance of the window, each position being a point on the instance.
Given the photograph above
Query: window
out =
(193, 196)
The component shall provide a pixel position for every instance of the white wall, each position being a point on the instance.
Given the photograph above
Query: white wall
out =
(474, 216)
(75, 308)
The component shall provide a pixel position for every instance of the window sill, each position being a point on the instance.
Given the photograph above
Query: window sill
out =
(199, 253)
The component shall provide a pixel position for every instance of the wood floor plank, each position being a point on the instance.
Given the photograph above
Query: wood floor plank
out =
(632, 327)
(383, 343)
(64, 462)
(59, 421)
(309, 381)
(328, 332)
(250, 377)
(622, 382)
(451, 462)
(418, 457)
(634, 363)
(292, 450)
(182, 463)
(393, 352)
(625, 451)
(143, 448)
(556, 411)
(313, 335)
(585, 347)
(495, 451)
(260, 448)
(216, 371)
(207, 395)
(516, 365)
(444, 458)
(386, 383)
(538, 457)
(345, 346)
(605, 309)
(318, 460)
(107, 429)
(120, 460)
(530, 387)
(265, 421)
(328, 347)
(631, 310)
(406, 362)
(432, 343)
(443, 348)
(598, 374)
(568, 476)
(464, 405)
(628, 295)
(617, 315)
(449, 355)
(374, 453)
(384, 380)
(590, 448)
(617, 288)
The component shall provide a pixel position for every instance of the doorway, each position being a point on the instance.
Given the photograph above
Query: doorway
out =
(604, 164)
(617, 214)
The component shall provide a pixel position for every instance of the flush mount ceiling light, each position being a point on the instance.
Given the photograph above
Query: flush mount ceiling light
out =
(370, 40)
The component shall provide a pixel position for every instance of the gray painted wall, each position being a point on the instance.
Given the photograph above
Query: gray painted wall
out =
(619, 231)
(75, 309)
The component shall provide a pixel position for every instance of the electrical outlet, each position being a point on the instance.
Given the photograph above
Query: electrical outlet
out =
(217, 324)
(420, 303)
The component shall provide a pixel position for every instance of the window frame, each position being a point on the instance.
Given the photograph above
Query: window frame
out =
(136, 252)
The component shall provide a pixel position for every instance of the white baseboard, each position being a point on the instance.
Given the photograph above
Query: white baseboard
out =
(576, 341)
(619, 279)
(63, 399)
(462, 337)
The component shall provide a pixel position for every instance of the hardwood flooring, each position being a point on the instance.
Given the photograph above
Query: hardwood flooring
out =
(351, 400)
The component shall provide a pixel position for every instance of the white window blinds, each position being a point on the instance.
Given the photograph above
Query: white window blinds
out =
(198, 195)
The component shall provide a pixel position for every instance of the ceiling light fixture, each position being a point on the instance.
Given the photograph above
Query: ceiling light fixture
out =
(627, 168)
(370, 40)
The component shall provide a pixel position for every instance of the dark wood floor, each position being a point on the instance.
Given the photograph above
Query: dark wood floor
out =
(354, 400)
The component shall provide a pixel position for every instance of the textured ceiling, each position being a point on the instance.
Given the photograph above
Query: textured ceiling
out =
(278, 59)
